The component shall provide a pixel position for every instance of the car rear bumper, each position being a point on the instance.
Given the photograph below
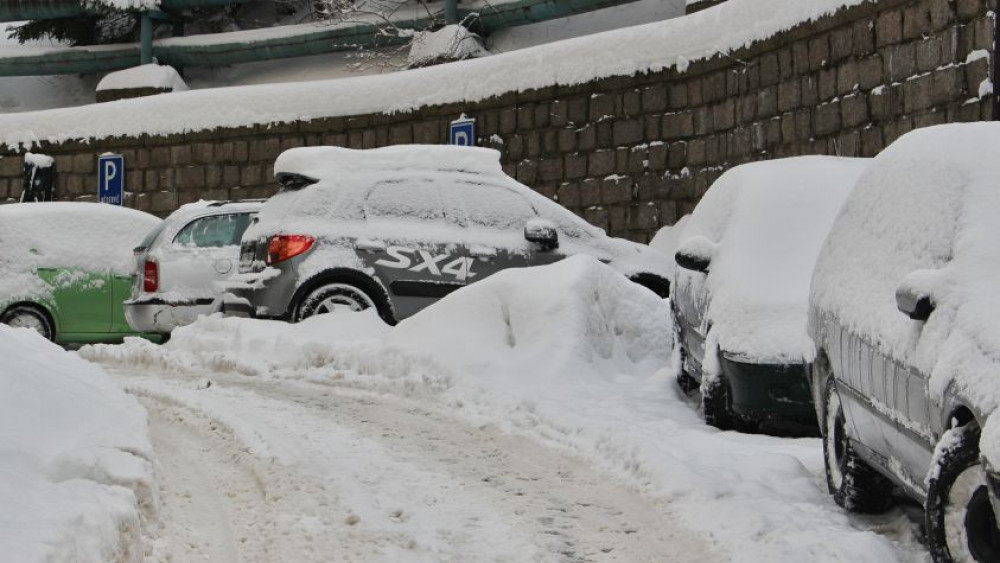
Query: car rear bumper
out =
(776, 393)
(158, 316)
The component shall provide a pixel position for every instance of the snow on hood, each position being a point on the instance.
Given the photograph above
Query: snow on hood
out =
(88, 236)
(766, 222)
(925, 214)
(72, 445)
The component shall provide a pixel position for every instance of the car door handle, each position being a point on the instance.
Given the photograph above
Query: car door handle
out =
(369, 245)
(480, 251)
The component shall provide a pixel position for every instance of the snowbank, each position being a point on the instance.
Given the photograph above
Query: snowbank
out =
(665, 240)
(652, 47)
(450, 43)
(75, 480)
(765, 223)
(573, 355)
(161, 77)
(87, 236)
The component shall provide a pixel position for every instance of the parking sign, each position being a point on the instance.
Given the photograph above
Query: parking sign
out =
(111, 179)
(462, 132)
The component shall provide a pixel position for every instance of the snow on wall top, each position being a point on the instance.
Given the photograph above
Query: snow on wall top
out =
(145, 76)
(923, 215)
(124, 4)
(765, 222)
(647, 48)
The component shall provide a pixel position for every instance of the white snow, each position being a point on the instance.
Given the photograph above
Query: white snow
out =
(571, 355)
(39, 160)
(924, 215)
(85, 236)
(757, 287)
(145, 76)
(665, 240)
(450, 43)
(653, 47)
(75, 476)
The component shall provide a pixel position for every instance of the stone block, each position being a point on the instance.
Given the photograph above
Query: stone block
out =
(871, 142)
(526, 118)
(527, 172)
(163, 202)
(651, 127)
(828, 118)
(677, 155)
(251, 175)
(916, 22)
(605, 138)
(854, 110)
(869, 72)
(241, 151)
(602, 106)
(203, 153)
(577, 110)
(602, 163)
(826, 84)
(597, 216)
(568, 194)
(678, 96)
(654, 99)
(550, 169)
(616, 189)
(558, 113)
(694, 94)
(657, 157)
(631, 103)
(819, 52)
(678, 125)
(789, 95)
(191, 178)
(864, 37)
(590, 192)
(770, 72)
(918, 93)
(637, 162)
(847, 78)
(767, 102)
(542, 115)
(575, 166)
(841, 43)
(180, 155)
(975, 73)
(508, 121)
(889, 28)
(627, 132)
(928, 55)
(900, 62)
(400, 134)
(800, 57)
(949, 86)
(566, 140)
(428, 132)
(586, 138)
(968, 9)
(746, 109)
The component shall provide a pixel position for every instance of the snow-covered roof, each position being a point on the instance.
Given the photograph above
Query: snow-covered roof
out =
(651, 47)
(88, 236)
(765, 223)
(924, 214)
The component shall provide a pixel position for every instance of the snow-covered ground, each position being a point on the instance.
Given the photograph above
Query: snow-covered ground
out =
(529, 417)
(76, 481)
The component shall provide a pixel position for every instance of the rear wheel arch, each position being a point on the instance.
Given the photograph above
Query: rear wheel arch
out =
(40, 309)
(371, 287)
(657, 284)
(820, 372)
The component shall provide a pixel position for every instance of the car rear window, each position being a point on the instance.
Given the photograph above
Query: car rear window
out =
(214, 231)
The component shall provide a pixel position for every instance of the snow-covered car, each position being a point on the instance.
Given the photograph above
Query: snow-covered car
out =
(741, 292)
(178, 265)
(66, 268)
(905, 317)
(398, 228)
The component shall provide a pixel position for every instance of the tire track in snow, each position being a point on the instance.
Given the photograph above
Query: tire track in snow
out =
(382, 480)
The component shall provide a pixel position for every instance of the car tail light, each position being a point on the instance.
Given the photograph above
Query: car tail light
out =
(283, 247)
(150, 276)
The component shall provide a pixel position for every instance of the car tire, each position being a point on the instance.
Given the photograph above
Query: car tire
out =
(854, 484)
(28, 316)
(327, 297)
(716, 404)
(961, 525)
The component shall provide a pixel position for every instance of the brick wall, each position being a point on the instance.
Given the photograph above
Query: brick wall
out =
(629, 154)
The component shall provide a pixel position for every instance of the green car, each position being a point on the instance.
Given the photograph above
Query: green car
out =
(66, 268)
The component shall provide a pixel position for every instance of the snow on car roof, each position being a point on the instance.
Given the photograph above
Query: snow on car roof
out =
(924, 214)
(89, 236)
(767, 222)
(332, 162)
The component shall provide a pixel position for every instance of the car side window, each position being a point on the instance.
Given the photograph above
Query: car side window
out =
(495, 207)
(214, 231)
(404, 199)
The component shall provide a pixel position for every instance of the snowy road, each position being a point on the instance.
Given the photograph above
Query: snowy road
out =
(269, 470)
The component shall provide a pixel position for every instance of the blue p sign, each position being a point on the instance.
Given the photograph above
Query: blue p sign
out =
(111, 179)
(462, 132)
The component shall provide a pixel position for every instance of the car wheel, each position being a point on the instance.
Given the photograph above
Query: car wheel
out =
(961, 525)
(329, 297)
(716, 404)
(26, 316)
(852, 482)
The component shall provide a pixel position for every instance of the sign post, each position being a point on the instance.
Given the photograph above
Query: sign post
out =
(111, 179)
(462, 132)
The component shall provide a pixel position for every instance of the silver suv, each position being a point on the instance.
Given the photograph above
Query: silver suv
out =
(904, 315)
(178, 264)
(397, 228)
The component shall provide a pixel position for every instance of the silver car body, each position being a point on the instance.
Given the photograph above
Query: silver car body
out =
(196, 247)
(408, 225)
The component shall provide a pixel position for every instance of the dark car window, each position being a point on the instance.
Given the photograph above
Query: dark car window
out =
(214, 231)
(404, 199)
(495, 207)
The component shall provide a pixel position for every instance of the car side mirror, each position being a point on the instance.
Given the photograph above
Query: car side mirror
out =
(542, 233)
(914, 294)
(695, 254)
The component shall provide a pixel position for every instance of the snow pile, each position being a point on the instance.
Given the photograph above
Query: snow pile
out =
(160, 77)
(667, 237)
(572, 355)
(86, 236)
(450, 43)
(124, 4)
(924, 216)
(75, 480)
(39, 160)
(764, 223)
(651, 47)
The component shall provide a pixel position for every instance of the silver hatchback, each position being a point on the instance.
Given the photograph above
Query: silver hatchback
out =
(398, 228)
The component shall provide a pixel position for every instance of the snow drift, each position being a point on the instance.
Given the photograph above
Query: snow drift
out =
(75, 477)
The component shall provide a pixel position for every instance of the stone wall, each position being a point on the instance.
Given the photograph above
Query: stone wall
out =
(629, 154)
